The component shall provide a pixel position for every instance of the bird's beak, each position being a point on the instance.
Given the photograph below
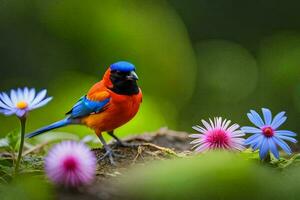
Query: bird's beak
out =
(132, 76)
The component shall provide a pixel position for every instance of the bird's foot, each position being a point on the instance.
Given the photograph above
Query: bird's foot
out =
(110, 154)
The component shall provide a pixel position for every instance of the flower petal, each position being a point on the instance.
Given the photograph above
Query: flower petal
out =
(285, 132)
(203, 147)
(20, 113)
(199, 129)
(195, 135)
(257, 142)
(25, 93)
(293, 140)
(273, 148)
(267, 116)
(6, 100)
(252, 138)
(3, 105)
(42, 103)
(207, 126)
(249, 129)
(278, 120)
(197, 145)
(39, 97)
(9, 112)
(218, 123)
(264, 148)
(238, 140)
(20, 95)
(31, 95)
(239, 147)
(2, 110)
(226, 124)
(283, 145)
(14, 98)
(278, 123)
(233, 127)
(197, 141)
(257, 116)
(255, 119)
(212, 124)
(237, 133)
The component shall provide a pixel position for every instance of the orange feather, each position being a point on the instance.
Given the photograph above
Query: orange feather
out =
(119, 110)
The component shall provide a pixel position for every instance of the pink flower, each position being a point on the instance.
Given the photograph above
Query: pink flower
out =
(71, 164)
(218, 135)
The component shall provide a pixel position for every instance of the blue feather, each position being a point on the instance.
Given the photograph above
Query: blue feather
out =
(82, 108)
(85, 107)
(123, 66)
(55, 125)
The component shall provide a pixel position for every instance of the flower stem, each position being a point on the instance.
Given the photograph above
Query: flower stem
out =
(267, 159)
(23, 123)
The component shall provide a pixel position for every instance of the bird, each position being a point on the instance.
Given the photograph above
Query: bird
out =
(109, 104)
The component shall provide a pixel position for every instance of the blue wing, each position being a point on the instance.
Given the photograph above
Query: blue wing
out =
(85, 107)
(82, 108)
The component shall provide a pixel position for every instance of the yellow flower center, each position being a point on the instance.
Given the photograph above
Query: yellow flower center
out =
(22, 105)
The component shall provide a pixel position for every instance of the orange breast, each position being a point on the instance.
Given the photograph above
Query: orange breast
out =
(120, 110)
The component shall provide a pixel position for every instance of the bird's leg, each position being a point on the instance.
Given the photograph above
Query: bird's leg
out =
(108, 151)
(119, 142)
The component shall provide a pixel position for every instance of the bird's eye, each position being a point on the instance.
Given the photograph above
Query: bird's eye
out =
(118, 74)
(115, 72)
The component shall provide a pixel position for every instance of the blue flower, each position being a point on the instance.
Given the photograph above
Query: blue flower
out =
(21, 101)
(265, 136)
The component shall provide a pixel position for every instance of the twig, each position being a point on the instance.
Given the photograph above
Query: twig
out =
(164, 149)
(37, 147)
(139, 153)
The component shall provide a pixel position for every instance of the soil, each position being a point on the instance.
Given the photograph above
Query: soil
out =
(162, 144)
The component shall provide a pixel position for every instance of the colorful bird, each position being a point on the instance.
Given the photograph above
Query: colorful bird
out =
(109, 104)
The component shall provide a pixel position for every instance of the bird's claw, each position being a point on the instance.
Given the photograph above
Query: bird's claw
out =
(110, 154)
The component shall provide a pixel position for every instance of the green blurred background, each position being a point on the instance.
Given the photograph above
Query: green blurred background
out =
(195, 59)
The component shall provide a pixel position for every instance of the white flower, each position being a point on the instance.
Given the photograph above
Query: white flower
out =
(21, 101)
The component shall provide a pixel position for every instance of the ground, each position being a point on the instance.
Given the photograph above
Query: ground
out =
(162, 144)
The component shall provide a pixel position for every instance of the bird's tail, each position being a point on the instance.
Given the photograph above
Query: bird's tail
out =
(55, 125)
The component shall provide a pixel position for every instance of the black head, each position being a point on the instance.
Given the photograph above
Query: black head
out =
(124, 78)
